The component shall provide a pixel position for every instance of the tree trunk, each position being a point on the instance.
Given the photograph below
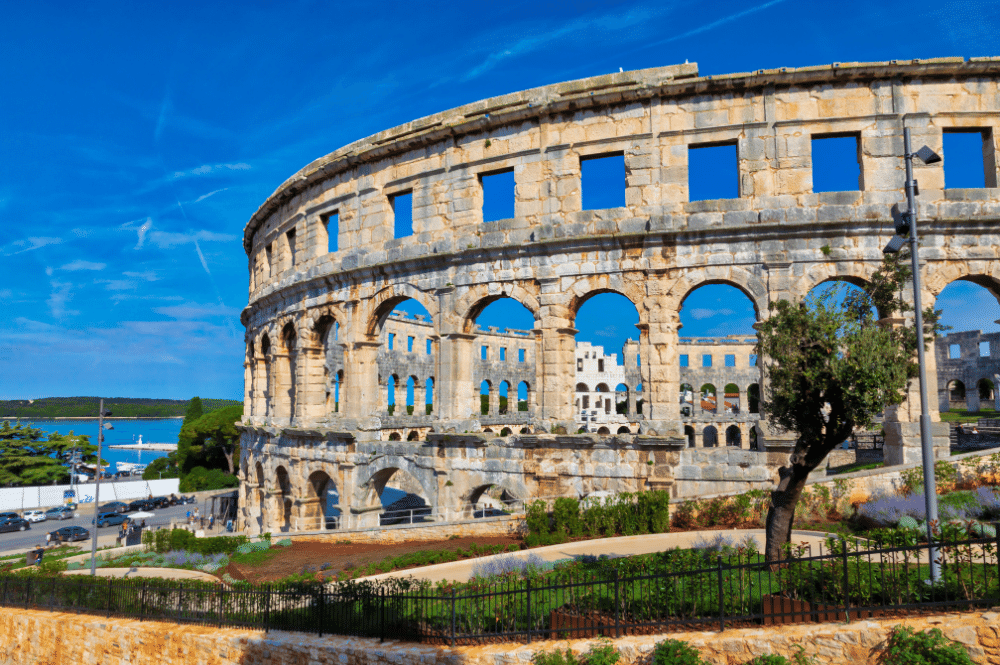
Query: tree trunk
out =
(782, 511)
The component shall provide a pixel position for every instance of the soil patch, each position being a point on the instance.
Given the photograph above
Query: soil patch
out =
(304, 556)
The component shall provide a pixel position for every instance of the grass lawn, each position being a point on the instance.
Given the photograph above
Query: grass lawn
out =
(955, 416)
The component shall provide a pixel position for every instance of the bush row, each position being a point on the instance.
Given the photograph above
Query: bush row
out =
(173, 540)
(626, 514)
(904, 647)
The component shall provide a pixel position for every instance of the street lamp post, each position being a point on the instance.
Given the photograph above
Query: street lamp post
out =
(906, 224)
(97, 485)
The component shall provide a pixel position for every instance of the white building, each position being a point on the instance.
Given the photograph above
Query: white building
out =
(601, 385)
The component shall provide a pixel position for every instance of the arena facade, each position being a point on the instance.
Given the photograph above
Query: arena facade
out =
(326, 273)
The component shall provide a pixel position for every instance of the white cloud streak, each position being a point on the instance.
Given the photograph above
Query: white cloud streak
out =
(80, 264)
(28, 244)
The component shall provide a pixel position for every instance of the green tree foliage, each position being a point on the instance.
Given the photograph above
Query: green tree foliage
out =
(28, 459)
(831, 368)
(206, 450)
(194, 411)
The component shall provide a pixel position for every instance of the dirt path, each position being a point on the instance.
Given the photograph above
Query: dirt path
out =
(310, 556)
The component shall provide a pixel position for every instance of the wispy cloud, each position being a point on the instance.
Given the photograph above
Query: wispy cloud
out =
(705, 313)
(146, 275)
(167, 240)
(716, 23)
(80, 264)
(28, 244)
(195, 311)
(205, 196)
(207, 169)
(60, 295)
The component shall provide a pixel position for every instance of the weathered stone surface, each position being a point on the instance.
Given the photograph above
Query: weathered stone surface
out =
(777, 239)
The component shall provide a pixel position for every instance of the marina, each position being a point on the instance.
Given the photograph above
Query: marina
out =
(139, 445)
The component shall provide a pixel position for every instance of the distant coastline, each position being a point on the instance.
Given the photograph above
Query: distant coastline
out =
(92, 418)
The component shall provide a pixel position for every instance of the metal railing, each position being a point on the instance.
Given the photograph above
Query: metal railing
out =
(425, 515)
(674, 590)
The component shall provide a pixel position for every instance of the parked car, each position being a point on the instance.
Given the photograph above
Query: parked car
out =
(59, 513)
(114, 507)
(35, 515)
(161, 501)
(109, 519)
(16, 524)
(68, 534)
(141, 504)
(8, 516)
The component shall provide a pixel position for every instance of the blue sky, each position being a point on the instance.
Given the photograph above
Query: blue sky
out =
(136, 140)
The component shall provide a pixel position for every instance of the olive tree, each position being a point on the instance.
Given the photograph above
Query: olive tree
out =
(831, 365)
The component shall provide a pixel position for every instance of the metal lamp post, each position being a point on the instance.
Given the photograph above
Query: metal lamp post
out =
(97, 486)
(906, 225)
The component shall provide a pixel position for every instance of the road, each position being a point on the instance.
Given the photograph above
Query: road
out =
(18, 540)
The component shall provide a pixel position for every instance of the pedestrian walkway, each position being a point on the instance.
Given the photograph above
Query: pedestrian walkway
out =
(157, 573)
(461, 571)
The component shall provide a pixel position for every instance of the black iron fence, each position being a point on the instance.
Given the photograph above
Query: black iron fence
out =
(674, 590)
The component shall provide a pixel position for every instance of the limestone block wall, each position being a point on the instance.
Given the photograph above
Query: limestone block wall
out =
(978, 361)
(774, 238)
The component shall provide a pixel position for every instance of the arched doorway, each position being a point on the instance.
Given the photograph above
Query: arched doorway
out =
(734, 437)
(710, 437)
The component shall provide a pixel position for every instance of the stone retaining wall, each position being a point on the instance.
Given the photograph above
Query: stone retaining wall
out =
(506, 526)
(52, 638)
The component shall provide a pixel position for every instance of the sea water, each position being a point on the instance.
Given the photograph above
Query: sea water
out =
(160, 430)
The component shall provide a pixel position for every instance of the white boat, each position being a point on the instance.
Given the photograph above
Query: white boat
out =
(130, 467)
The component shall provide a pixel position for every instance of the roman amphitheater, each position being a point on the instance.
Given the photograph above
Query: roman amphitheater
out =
(345, 398)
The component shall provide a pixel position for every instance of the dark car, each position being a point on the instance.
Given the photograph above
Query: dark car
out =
(114, 507)
(68, 534)
(8, 516)
(16, 524)
(161, 501)
(109, 519)
(59, 513)
(141, 504)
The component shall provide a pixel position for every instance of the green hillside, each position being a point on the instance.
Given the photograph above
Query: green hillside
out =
(120, 407)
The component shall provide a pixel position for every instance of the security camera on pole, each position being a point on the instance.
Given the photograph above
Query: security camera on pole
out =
(906, 229)
(101, 413)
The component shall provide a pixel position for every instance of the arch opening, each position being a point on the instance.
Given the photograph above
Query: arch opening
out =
(326, 500)
(402, 497)
(406, 357)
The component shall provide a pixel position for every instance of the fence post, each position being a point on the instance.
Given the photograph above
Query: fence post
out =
(847, 590)
(27, 595)
(142, 601)
(322, 604)
(220, 606)
(381, 614)
(528, 607)
(453, 616)
(722, 606)
(617, 611)
(110, 581)
(267, 608)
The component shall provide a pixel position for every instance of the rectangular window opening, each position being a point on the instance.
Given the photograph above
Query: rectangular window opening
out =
(954, 351)
(706, 360)
(329, 229)
(984, 349)
(836, 162)
(968, 158)
(484, 353)
(730, 360)
(602, 181)
(753, 359)
(579, 364)
(290, 243)
(713, 171)
(392, 340)
(498, 195)
(600, 364)
(409, 345)
(684, 360)
(430, 347)
(520, 355)
(269, 258)
(503, 353)
(402, 213)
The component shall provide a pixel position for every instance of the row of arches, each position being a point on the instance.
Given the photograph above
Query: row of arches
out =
(706, 399)
(733, 437)
(985, 392)
(301, 371)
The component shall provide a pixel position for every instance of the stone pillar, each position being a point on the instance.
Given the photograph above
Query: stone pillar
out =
(996, 392)
(555, 360)
(902, 422)
(457, 398)
(419, 399)
(660, 362)
(494, 401)
(359, 394)
(311, 404)
(972, 395)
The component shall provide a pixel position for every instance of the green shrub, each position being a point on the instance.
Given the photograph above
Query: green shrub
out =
(908, 523)
(602, 653)
(556, 657)
(200, 479)
(537, 519)
(929, 647)
(566, 517)
(769, 659)
(676, 652)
